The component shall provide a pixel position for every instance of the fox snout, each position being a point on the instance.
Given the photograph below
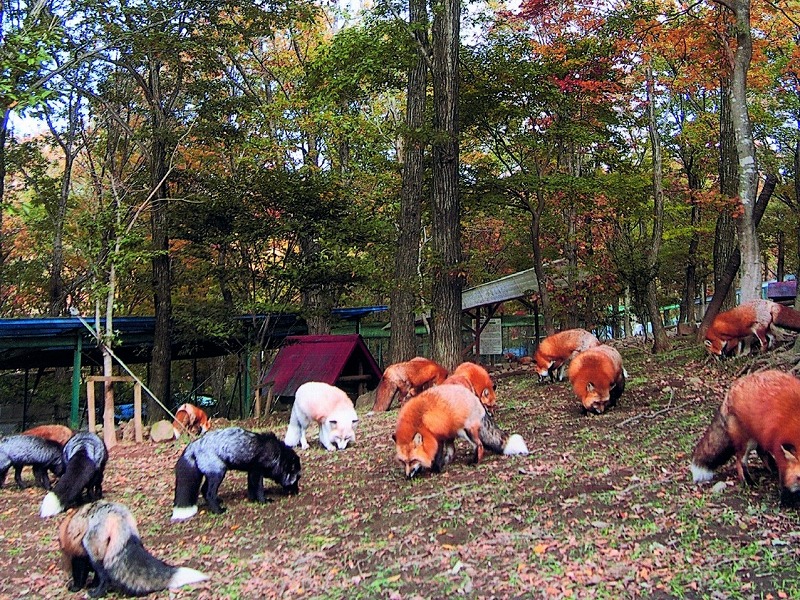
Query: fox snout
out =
(291, 483)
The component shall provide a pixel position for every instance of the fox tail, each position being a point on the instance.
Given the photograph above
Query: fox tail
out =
(498, 441)
(713, 450)
(384, 395)
(135, 571)
(187, 488)
(80, 471)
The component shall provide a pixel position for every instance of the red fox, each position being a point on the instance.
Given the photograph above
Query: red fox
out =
(190, 418)
(479, 380)
(56, 433)
(103, 537)
(598, 378)
(731, 328)
(407, 379)
(555, 350)
(492, 437)
(428, 424)
(762, 411)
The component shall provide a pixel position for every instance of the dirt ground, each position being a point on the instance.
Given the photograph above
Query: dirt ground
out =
(603, 507)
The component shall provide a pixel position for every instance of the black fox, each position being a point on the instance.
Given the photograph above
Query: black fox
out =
(21, 450)
(85, 458)
(210, 456)
(103, 537)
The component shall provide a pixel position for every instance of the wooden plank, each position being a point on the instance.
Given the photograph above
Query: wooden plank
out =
(137, 412)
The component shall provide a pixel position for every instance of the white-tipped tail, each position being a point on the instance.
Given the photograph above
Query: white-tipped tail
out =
(515, 445)
(176, 432)
(185, 576)
(700, 474)
(51, 505)
(181, 513)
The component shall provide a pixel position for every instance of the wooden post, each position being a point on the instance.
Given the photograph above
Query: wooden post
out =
(90, 409)
(109, 431)
(137, 412)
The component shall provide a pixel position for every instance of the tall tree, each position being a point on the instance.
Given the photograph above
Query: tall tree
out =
(751, 276)
(405, 289)
(446, 240)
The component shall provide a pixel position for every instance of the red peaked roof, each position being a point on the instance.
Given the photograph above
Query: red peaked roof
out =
(341, 360)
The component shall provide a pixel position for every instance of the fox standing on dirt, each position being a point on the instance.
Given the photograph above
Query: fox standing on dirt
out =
(492, 437)
(103, 537)
(330, 407)
(598, 378)
(731, 328)
(555, 350)
(85, 456)
(42, 455)
(429, 423)
(212, 455)
(190, 418)
(762, 411)
(407, 379)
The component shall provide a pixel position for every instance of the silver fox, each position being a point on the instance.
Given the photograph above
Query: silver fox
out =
(102, 537)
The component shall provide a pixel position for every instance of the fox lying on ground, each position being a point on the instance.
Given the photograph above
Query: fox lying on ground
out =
(103, 537)
(407, 379)
(730, 330)
(761, 411)
(556, 350)
(330, 407)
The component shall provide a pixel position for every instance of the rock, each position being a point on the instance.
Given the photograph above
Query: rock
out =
(161, 431)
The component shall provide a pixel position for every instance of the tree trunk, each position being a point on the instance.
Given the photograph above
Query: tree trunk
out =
(538, 266)
(447, 276)
(162, 276)
(660, 341)
(725, 231)
(729, 273)
(750, 280)
(3, 251)
(403, 339)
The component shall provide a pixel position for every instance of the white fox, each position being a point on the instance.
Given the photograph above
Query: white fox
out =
(327, 405)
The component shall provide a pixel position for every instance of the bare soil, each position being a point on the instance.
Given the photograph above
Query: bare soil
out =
(603, 507)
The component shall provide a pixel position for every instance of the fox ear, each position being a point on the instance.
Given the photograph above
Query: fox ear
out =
(707, 342)
(418, 439)
(789, 452)
(590, 387)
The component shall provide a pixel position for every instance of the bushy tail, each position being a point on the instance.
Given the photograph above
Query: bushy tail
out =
(79, 473)
(136, 572)
(187, 488)
(712, 451)
(384, 395)
(787, 317)
(498, 441)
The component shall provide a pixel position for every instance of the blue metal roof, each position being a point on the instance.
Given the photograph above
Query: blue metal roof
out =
(51, 341)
